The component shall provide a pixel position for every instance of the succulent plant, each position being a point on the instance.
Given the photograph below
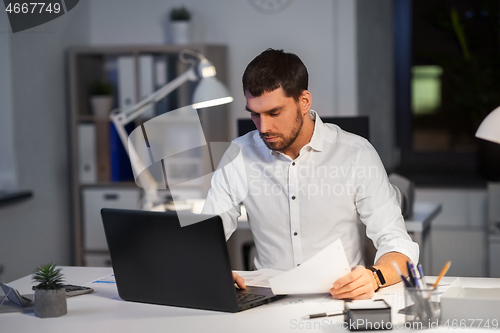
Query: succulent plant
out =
(48, 277)
(180, 14)
(100, 88)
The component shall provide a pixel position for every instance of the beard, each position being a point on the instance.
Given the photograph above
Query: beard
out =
(286, 140)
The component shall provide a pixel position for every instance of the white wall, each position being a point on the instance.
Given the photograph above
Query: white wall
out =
(38, 230)
(345, 69)
(459, 232)
(8, 174)
(321, 32)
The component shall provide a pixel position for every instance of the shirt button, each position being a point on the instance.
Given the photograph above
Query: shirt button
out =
(293, 163)
(295, 233)
(298, 265)
(293, 198)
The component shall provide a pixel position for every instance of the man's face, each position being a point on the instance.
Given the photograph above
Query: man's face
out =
(277, 117)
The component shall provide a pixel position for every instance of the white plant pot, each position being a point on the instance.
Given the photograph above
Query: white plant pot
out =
(180, 32)
(50, 303)
(101, 105)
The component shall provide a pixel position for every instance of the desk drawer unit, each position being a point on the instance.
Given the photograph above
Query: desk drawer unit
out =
(94, 199)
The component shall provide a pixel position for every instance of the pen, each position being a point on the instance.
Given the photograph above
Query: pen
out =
(422, 276)
(324, 314)
(410, 274)
(443, 272)
(415, 276)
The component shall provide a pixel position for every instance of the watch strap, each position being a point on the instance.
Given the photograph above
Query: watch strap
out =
(379, 275)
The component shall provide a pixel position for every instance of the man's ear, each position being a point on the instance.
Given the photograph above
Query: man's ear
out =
(305, 101)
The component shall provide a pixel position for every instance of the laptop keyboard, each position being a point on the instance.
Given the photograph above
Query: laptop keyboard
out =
(247, 298)
(72, 290)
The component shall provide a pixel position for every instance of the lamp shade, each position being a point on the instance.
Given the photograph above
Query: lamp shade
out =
(210, 92)
(490, 127)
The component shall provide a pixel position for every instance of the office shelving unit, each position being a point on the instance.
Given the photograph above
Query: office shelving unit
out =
(86, 64)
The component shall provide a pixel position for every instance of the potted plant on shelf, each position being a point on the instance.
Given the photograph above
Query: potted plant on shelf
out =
(101, 98)
(50, 294)
(180, 25)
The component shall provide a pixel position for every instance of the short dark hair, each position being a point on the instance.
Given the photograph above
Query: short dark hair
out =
(273, 69)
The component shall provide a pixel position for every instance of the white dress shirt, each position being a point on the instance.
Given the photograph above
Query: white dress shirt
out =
(335, 187)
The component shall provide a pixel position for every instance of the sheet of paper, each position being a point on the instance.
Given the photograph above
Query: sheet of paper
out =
(108, 279)
(316, 275)
(318, 301)
(259, 278)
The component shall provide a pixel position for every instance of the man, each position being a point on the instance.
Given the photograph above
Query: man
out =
(305, 184)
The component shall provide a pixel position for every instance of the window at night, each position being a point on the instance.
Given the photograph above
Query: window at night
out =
(448, 79)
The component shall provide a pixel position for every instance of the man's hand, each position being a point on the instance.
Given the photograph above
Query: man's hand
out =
(239, 281)
(359, 284)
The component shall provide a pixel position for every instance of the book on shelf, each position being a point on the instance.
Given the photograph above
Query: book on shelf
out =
(146, 82)
(87, 172)
(121, 169)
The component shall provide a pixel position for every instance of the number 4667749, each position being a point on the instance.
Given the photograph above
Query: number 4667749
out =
(33, 7)
(467, 323)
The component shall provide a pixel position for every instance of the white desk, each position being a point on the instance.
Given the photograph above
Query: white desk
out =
(104, 311)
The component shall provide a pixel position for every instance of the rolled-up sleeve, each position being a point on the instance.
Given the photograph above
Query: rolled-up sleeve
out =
(379, 209)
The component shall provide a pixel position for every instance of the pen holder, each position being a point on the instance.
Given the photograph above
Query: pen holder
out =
(421, 308)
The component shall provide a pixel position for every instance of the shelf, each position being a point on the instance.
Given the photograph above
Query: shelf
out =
(110, 184)
(90, 118)
(138, 50)
(93, 136)
(177, 119)
(10, 196)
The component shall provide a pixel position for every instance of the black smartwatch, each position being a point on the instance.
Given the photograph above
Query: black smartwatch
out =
(379, 275)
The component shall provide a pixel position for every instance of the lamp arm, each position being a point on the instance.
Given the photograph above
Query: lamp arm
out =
(136, 110)
(121, 118)
(134, 157)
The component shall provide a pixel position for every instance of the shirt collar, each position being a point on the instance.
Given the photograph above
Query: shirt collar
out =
(316, 142)
(317, 139)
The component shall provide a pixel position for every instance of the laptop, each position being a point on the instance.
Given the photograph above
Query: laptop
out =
(157, 261)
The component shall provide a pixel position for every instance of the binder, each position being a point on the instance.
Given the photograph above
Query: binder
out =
(121, 169)
(126, 82)
(160, 79)
(183, 92)
(146, 83)
(172, 73)
(111, 69)
(87, 173)
(103, 150)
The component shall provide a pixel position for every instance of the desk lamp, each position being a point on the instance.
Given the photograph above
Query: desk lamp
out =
(209, 92)
(490, 127)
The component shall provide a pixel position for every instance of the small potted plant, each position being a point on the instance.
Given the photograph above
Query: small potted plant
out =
(180, 25)
(101, 98)
(50, 294)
